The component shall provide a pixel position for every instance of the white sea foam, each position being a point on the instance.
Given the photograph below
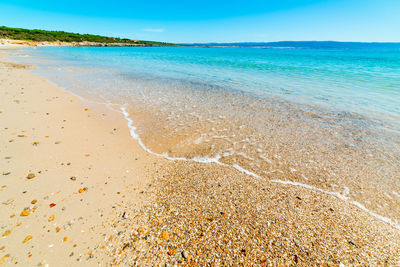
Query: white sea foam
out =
(216, 159)
(133, 133)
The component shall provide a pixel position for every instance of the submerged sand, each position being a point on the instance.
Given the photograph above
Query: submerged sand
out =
(117, 204)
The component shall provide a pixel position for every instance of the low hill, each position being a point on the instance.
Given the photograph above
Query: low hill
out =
(68, 37)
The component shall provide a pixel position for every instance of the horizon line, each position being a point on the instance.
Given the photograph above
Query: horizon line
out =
(211, 42)
(281, 41)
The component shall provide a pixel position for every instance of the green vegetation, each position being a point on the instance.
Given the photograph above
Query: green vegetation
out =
(53, 36)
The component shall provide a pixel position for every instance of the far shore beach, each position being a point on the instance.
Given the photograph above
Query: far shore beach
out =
(78, 190)
(29, 43)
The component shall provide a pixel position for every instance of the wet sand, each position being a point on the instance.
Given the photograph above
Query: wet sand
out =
(117, 204)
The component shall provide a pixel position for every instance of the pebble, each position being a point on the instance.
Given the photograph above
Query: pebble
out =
(25, 213)
(171, 252)
(3, 260)
(6, 233)
(8, 202)
(51, 218)
(6, 173)
(165, 235)
(30, 176)
(141, 231)
(185, 254)
(73, 178)
(27, 238)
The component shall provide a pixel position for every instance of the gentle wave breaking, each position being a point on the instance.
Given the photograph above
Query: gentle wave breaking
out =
(215, 159)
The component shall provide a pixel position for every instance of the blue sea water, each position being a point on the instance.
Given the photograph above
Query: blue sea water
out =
(364, 80)
(325, 117)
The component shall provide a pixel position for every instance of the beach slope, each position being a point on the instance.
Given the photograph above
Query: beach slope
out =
(67, 168)
(77, 189)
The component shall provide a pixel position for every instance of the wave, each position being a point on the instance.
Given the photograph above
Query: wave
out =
(216, 158)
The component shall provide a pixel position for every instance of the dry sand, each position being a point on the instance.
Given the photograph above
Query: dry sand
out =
(116, 204)
(68, 145)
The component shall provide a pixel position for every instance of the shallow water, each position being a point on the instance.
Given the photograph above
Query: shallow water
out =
(324, 119)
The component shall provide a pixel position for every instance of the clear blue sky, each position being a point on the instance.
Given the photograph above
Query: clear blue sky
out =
(212, 20)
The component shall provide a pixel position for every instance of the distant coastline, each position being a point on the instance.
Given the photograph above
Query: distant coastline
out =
(25, 37)
(299, 45)
(12, 42)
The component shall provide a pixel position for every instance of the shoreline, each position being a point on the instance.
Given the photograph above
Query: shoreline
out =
(169, 231)
(29, 43)
(216, 160)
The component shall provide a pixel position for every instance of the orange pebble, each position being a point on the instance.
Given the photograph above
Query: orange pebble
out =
(171, 252)
(25, 213)
(51, 218)
(27, 238)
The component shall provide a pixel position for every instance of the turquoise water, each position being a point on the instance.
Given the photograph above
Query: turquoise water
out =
(322, 118)
(357, 80)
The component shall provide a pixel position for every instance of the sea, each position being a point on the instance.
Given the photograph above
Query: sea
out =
(322, 117)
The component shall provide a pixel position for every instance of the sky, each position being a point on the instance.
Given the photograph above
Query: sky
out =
(204, 21)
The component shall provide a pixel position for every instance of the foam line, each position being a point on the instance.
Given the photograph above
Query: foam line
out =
(215, 159)
(133, 133)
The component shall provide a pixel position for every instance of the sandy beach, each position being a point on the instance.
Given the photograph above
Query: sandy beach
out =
(82, 167)
(77, 189)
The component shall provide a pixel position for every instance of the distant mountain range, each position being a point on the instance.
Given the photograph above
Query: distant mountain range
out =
(299, 44)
